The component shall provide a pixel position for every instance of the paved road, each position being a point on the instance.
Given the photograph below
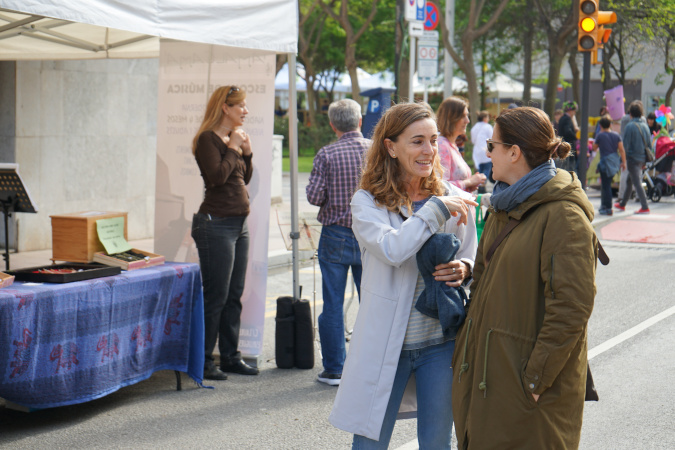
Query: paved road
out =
(288, 409)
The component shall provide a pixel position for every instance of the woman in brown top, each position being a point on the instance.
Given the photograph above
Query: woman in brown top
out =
(223, 153)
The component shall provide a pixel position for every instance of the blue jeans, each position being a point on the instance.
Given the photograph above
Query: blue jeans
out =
(485, 169)
(338, 250)
(222, 243)
(433, 380)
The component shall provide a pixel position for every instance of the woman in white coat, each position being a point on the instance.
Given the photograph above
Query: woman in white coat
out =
(399, 361)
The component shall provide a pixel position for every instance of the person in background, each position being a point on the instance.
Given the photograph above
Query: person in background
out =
(635, 138)
(459, 142)
(567, 131)
(480, 133)
(625, 120)
(603, 111)
(521, 354)
(332, 183)
(399, 358)
(612, 159)
(453, 117)
(654, 126)
(223, 153)
(556, 119)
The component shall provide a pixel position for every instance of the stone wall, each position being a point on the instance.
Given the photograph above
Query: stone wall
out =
(86, 140)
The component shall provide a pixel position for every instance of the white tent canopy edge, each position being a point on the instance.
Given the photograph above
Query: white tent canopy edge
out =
(257, 24)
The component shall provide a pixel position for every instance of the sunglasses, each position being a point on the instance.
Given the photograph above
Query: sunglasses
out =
(232, 89)
(491, 144)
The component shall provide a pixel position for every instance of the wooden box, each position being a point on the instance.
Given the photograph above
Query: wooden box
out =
(74, 236)
(152, 259)
(6, 279)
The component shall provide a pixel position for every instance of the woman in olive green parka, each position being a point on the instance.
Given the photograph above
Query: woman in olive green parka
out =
(520, 357)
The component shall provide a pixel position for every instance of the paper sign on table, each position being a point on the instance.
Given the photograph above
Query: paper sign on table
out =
(111, 234)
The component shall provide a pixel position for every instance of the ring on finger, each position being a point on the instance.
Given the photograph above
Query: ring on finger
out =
(454, 270)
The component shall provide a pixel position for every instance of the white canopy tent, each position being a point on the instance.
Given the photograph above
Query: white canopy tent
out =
(94, 29)
(257, 24)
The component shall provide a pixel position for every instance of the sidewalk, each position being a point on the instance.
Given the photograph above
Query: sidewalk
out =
(278, 255)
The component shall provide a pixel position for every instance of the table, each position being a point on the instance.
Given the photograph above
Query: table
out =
(62, 344)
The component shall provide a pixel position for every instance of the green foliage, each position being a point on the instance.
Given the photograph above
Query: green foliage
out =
(305, 164)
(310, 137)
(375, 49)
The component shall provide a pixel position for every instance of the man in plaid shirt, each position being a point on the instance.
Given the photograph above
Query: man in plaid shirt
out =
(333, 181)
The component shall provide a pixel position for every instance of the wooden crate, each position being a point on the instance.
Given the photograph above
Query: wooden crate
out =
(152, 260)
(74, 236)
(6, 279)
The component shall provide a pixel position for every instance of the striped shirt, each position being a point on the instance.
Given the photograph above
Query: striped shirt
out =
(335, 177)
(422, 331)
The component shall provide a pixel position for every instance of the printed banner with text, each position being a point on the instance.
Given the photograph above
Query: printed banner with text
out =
(188, 74)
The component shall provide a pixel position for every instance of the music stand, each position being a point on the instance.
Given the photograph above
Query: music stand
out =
(310, 232)
(14, 197)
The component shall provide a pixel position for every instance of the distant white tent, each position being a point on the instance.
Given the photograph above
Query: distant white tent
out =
(502, 86)
(343, 83)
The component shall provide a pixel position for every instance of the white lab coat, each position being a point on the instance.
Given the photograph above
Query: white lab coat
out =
(388, 251)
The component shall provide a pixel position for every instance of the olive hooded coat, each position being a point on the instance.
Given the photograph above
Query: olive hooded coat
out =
(525, 330)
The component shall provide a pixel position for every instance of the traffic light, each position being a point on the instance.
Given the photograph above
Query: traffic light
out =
(592, 33)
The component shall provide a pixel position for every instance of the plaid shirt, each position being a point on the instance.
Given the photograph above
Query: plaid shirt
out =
(335, 177)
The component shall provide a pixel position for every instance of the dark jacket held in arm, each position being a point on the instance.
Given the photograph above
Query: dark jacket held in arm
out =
(225, 173)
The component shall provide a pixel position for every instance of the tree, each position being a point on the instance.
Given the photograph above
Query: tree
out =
(339, 10)
(475, 27)
(559, 20)
(309, 38)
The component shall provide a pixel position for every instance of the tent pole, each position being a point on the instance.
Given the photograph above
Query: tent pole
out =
(293, 155)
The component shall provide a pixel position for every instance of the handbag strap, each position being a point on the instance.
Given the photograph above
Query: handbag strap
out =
(498, 240)
(642, 136)
(602, 255)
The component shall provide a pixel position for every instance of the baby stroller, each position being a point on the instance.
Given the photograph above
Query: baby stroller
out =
(661, 183)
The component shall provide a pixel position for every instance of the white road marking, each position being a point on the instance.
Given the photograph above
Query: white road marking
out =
(610, 343)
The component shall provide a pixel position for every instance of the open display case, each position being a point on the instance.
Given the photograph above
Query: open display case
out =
(64, 273)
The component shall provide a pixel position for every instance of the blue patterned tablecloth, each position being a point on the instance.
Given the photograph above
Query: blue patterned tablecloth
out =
(69, 343)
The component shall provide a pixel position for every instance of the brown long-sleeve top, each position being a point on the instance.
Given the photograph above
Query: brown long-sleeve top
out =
(225, 173)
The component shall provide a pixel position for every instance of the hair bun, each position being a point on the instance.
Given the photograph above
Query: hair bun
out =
(559, 149)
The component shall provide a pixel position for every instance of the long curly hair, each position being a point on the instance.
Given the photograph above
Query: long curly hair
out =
(214, 112)
(383, 175)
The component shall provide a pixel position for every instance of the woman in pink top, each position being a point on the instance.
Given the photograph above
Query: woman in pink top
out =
(452, 119)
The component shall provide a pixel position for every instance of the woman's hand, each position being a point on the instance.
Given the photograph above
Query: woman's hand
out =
(477, 179)
(237, 138)
(458, 206)
(453, 273)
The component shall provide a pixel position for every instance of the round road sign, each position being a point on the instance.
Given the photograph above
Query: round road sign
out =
(431, 17)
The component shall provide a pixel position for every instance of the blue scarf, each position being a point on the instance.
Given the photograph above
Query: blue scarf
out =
(506, 198)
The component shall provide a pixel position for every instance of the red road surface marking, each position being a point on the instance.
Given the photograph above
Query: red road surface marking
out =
(650, 229)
